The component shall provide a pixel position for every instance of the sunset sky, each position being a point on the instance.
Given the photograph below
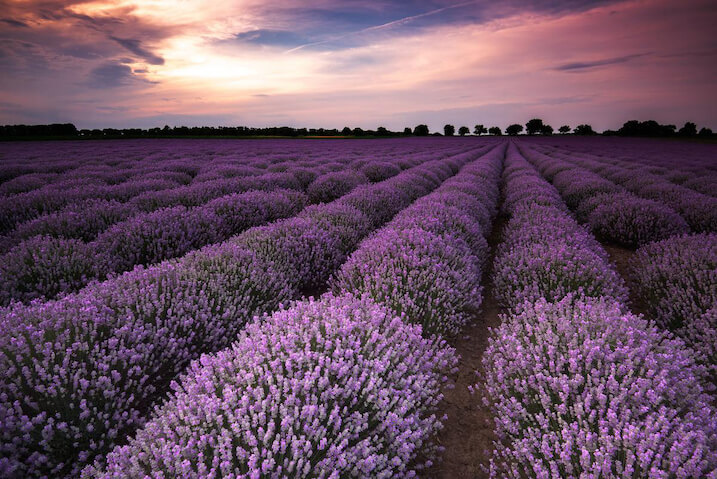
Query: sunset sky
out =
(324, 63)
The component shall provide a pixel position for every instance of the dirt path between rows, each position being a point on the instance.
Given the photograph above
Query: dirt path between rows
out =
(621, 257)
(467, 435)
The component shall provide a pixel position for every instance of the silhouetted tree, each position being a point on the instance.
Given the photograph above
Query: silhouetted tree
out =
(449, 130)
(584, 130)
(480, 129)
(346, 131)
(495, 131)
(534, 126)
(514, 129)
(358, 131)
(407, 131)
(382, 131)
(704, 131)
(646, 128)
(421, 130)
(564, 129)
(546, 130)
(690, 129)
(463, 131)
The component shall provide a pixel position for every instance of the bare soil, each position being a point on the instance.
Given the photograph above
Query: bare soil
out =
(621, 257)
(468, 435)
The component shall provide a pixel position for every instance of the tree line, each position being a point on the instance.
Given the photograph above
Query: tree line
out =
(535, 126)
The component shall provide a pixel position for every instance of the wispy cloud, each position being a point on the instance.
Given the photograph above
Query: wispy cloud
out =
(579, 66)
(384, 26)
(135, 46)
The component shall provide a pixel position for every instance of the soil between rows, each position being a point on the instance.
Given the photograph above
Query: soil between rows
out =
(468, 435)
(621, 257)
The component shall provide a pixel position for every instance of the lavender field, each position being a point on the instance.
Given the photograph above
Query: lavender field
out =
(410, 307)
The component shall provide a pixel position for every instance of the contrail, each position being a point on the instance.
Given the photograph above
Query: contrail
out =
(400, 21)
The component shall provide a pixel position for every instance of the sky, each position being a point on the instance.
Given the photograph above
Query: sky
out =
(369, 63)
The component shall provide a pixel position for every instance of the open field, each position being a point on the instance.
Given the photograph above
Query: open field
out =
(417, 307)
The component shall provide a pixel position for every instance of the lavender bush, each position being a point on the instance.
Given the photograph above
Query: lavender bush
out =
(44, 266)
(152, 237)
(582, 389)
(632, 221)
(331, 186)
(433, 280)
(83, 370)
(677, 278)
(83, 220)
(331, 388)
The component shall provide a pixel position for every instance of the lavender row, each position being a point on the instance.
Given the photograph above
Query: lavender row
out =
(427, 263)
(340, 386)
(86, 218)
(578, 386)
(47, 266)
(677, 280)
(688, 164)
(65, 165)
(613, 213)
(149, 174)
(44, 267)
(545, 253)
(82, 371)
(699, 210)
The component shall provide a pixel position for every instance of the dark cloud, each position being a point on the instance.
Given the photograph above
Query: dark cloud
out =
(281, 38)
(110, 75)
(579, 66)
(135, 46)
(14, 23)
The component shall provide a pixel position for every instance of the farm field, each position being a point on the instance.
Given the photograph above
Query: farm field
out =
(417, 307)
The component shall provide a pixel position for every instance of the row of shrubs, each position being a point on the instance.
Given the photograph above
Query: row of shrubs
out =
(156, 184)
(577, 385)
(57, 257)
(699, 209)
(81, 372)
(677, 281)
(346, 386)
(613, 213)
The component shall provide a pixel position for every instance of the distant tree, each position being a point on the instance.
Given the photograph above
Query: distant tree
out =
(564, 129)
(646, 128)
(421, 130)
(346, 131)
(534, 126)
(407, 131)
(463, 131)
(546, 130)
(449, 130)
(690, 129)
(705, 132)
(495, 131)
(480, 129)
(514, 129)
(358, 131)
(584, 130)
(382, 131)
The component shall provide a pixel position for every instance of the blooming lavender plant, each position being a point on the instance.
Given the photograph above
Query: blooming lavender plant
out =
(333, 185)
(83, 220)
(43, 267)
(433, 280)
(82, 371)
(330, 388)
(677, 278)
(632, 221)
(153, 237)
(582, 389)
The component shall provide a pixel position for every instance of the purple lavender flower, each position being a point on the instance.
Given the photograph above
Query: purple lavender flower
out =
(582, 389)
(324, 389)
